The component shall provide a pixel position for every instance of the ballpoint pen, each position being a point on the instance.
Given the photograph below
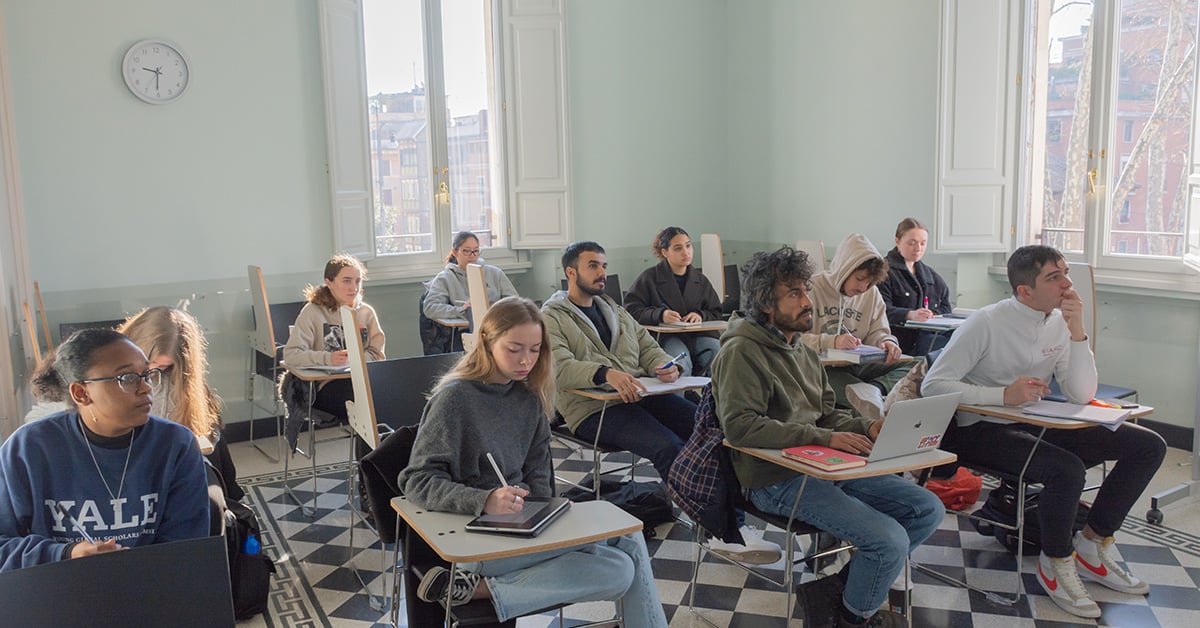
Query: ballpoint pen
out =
(74, 524)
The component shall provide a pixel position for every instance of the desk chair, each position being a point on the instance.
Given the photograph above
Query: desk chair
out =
(31, 328)
(712, 262)
(66, 329)
(816, 253)
(267, 338)
(612, 287)
(563, 436)
(732, 297)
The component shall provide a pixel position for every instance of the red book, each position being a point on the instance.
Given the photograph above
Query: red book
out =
(825, 458)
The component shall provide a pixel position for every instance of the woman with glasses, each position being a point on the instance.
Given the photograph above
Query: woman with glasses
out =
(448, 296)
(104, 474)
(173, 342)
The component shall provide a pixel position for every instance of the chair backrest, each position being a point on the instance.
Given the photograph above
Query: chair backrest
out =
(612, 287)
(816, 253)
(262, 338)
(66, 329)
(360, 415)
(477, 291)
(1085, 284)
(712, 261)
(31, 328)
(732, 298)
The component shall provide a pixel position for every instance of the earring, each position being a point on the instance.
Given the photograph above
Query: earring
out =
(94, 419)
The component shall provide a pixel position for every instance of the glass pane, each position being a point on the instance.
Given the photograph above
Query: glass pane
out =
(466, 39)
(1059, 194)
(1151, 125)
(398, 123)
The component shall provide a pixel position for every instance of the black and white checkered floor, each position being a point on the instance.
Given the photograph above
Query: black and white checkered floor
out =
(314, 586)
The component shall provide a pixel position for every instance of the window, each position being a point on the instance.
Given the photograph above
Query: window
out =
(413, 103)
(1084, 207)
(1054, 131)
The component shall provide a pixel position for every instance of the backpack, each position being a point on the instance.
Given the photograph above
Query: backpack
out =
(958, 492)
(702, 479)
(1001, 505)
(250, 569)
(648, 501)
(434, 338)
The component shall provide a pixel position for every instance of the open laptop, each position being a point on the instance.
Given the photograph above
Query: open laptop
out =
(532, 519)
(914, 425)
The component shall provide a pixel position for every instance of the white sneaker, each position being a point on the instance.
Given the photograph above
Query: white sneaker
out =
(866, 398)
(1060, 580)
(1096, 563)
(756, 550)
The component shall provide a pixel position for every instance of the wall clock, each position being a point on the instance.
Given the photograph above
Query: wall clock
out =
(155, 71)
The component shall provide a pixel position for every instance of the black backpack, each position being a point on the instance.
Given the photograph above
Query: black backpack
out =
(1001, 505)
(249, 573)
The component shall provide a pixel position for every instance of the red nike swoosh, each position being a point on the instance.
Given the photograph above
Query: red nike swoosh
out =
(1101, 571)
(1050, 584)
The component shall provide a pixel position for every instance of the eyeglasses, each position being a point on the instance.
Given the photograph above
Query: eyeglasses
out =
(129, 381)
(469, 251)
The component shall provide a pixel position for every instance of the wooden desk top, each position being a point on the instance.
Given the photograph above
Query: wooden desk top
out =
(653, 387)
(910, 462)
(584, 522)
(676, 329)
(1015, 415)
(827, 362)
(453, 323)
(317, 375)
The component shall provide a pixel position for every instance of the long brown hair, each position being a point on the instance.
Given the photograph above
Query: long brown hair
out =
(174, 333)
(478, 365)
(321, 295)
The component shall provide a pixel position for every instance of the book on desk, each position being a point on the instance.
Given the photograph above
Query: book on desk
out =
(1112, 418)
(826, 458)
(861, 354)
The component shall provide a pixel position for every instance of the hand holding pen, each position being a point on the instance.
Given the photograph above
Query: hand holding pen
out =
(669, 315)
(669, 372)
(1027, 389)
(506, 499)
(89, 546)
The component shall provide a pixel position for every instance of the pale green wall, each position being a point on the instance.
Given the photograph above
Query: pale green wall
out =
(763, 120)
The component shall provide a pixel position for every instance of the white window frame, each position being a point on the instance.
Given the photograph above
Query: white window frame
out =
(532, 143)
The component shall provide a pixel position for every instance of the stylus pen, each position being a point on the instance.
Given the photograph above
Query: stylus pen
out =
(74, 524)
(496, 468)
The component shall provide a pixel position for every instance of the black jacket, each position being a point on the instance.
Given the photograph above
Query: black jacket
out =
(655, 289)
(904, 292)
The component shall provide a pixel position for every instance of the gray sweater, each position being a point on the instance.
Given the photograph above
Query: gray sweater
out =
(449, 470)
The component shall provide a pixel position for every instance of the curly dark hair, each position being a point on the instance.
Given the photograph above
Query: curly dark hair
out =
(764, 271)
(70, 362)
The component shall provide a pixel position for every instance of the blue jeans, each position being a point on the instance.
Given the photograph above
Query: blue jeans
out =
(706, 350)
(885, 516)
(654, 428)
(615, 569)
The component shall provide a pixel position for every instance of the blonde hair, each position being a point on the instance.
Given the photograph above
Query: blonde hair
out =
(321, 295)
(479, 365)
(174, 333)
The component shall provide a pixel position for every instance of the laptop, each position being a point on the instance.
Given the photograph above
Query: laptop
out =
(532, 519)
(180, 584)
(913, 426)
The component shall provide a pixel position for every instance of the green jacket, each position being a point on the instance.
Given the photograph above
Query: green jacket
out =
(578, 352)
(769, 393)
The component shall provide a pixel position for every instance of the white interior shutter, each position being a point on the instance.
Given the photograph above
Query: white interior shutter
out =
(345, 82)
(536, 116)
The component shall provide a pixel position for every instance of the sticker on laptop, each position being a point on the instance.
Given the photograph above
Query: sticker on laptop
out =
(932, 440)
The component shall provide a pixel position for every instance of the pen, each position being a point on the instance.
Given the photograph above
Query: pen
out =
(74, 524)
(496, 468)
(673, 360)
(926, 306)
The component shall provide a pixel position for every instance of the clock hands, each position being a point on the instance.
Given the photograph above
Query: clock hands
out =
(157, 72)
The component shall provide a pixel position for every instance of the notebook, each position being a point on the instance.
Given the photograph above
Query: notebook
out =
(532, 519)
(914, 425)
(858, 355)
(824, 458)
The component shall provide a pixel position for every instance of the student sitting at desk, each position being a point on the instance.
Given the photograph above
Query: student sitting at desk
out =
(317, 338)
(448, 295)
(771, 391)
(672, 292)
(56, 472)
(848, 311)
(496, 402)
(1005, 354)
(913, 291)
(172, 340)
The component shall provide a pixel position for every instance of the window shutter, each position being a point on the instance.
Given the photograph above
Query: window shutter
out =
(536, 116)
(344, 73)
(977, 126)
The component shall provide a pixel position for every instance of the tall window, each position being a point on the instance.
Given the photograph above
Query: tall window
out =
(1118, 78)
(431, 102)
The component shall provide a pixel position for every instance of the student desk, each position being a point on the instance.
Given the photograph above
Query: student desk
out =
(827, 362)
(911, 462)
(313, 377)
(1015, 415)
(457, 326)
(653, 387)
(583, 523)
(659, 330)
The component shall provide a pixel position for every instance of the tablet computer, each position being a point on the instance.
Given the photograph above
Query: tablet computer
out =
(532, 519)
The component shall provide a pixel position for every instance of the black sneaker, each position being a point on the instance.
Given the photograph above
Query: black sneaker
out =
(433, 586)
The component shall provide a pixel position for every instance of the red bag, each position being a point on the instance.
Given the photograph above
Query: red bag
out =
(960, 491)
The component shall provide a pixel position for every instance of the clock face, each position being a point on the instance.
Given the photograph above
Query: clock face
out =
(155, 71)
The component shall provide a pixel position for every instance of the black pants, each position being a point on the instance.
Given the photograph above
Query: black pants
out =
(654, 428)
(1059, 463)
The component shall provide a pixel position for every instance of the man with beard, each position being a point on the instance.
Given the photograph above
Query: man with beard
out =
(770, 391)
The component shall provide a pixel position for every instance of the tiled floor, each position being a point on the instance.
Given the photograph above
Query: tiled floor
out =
(314, 587)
